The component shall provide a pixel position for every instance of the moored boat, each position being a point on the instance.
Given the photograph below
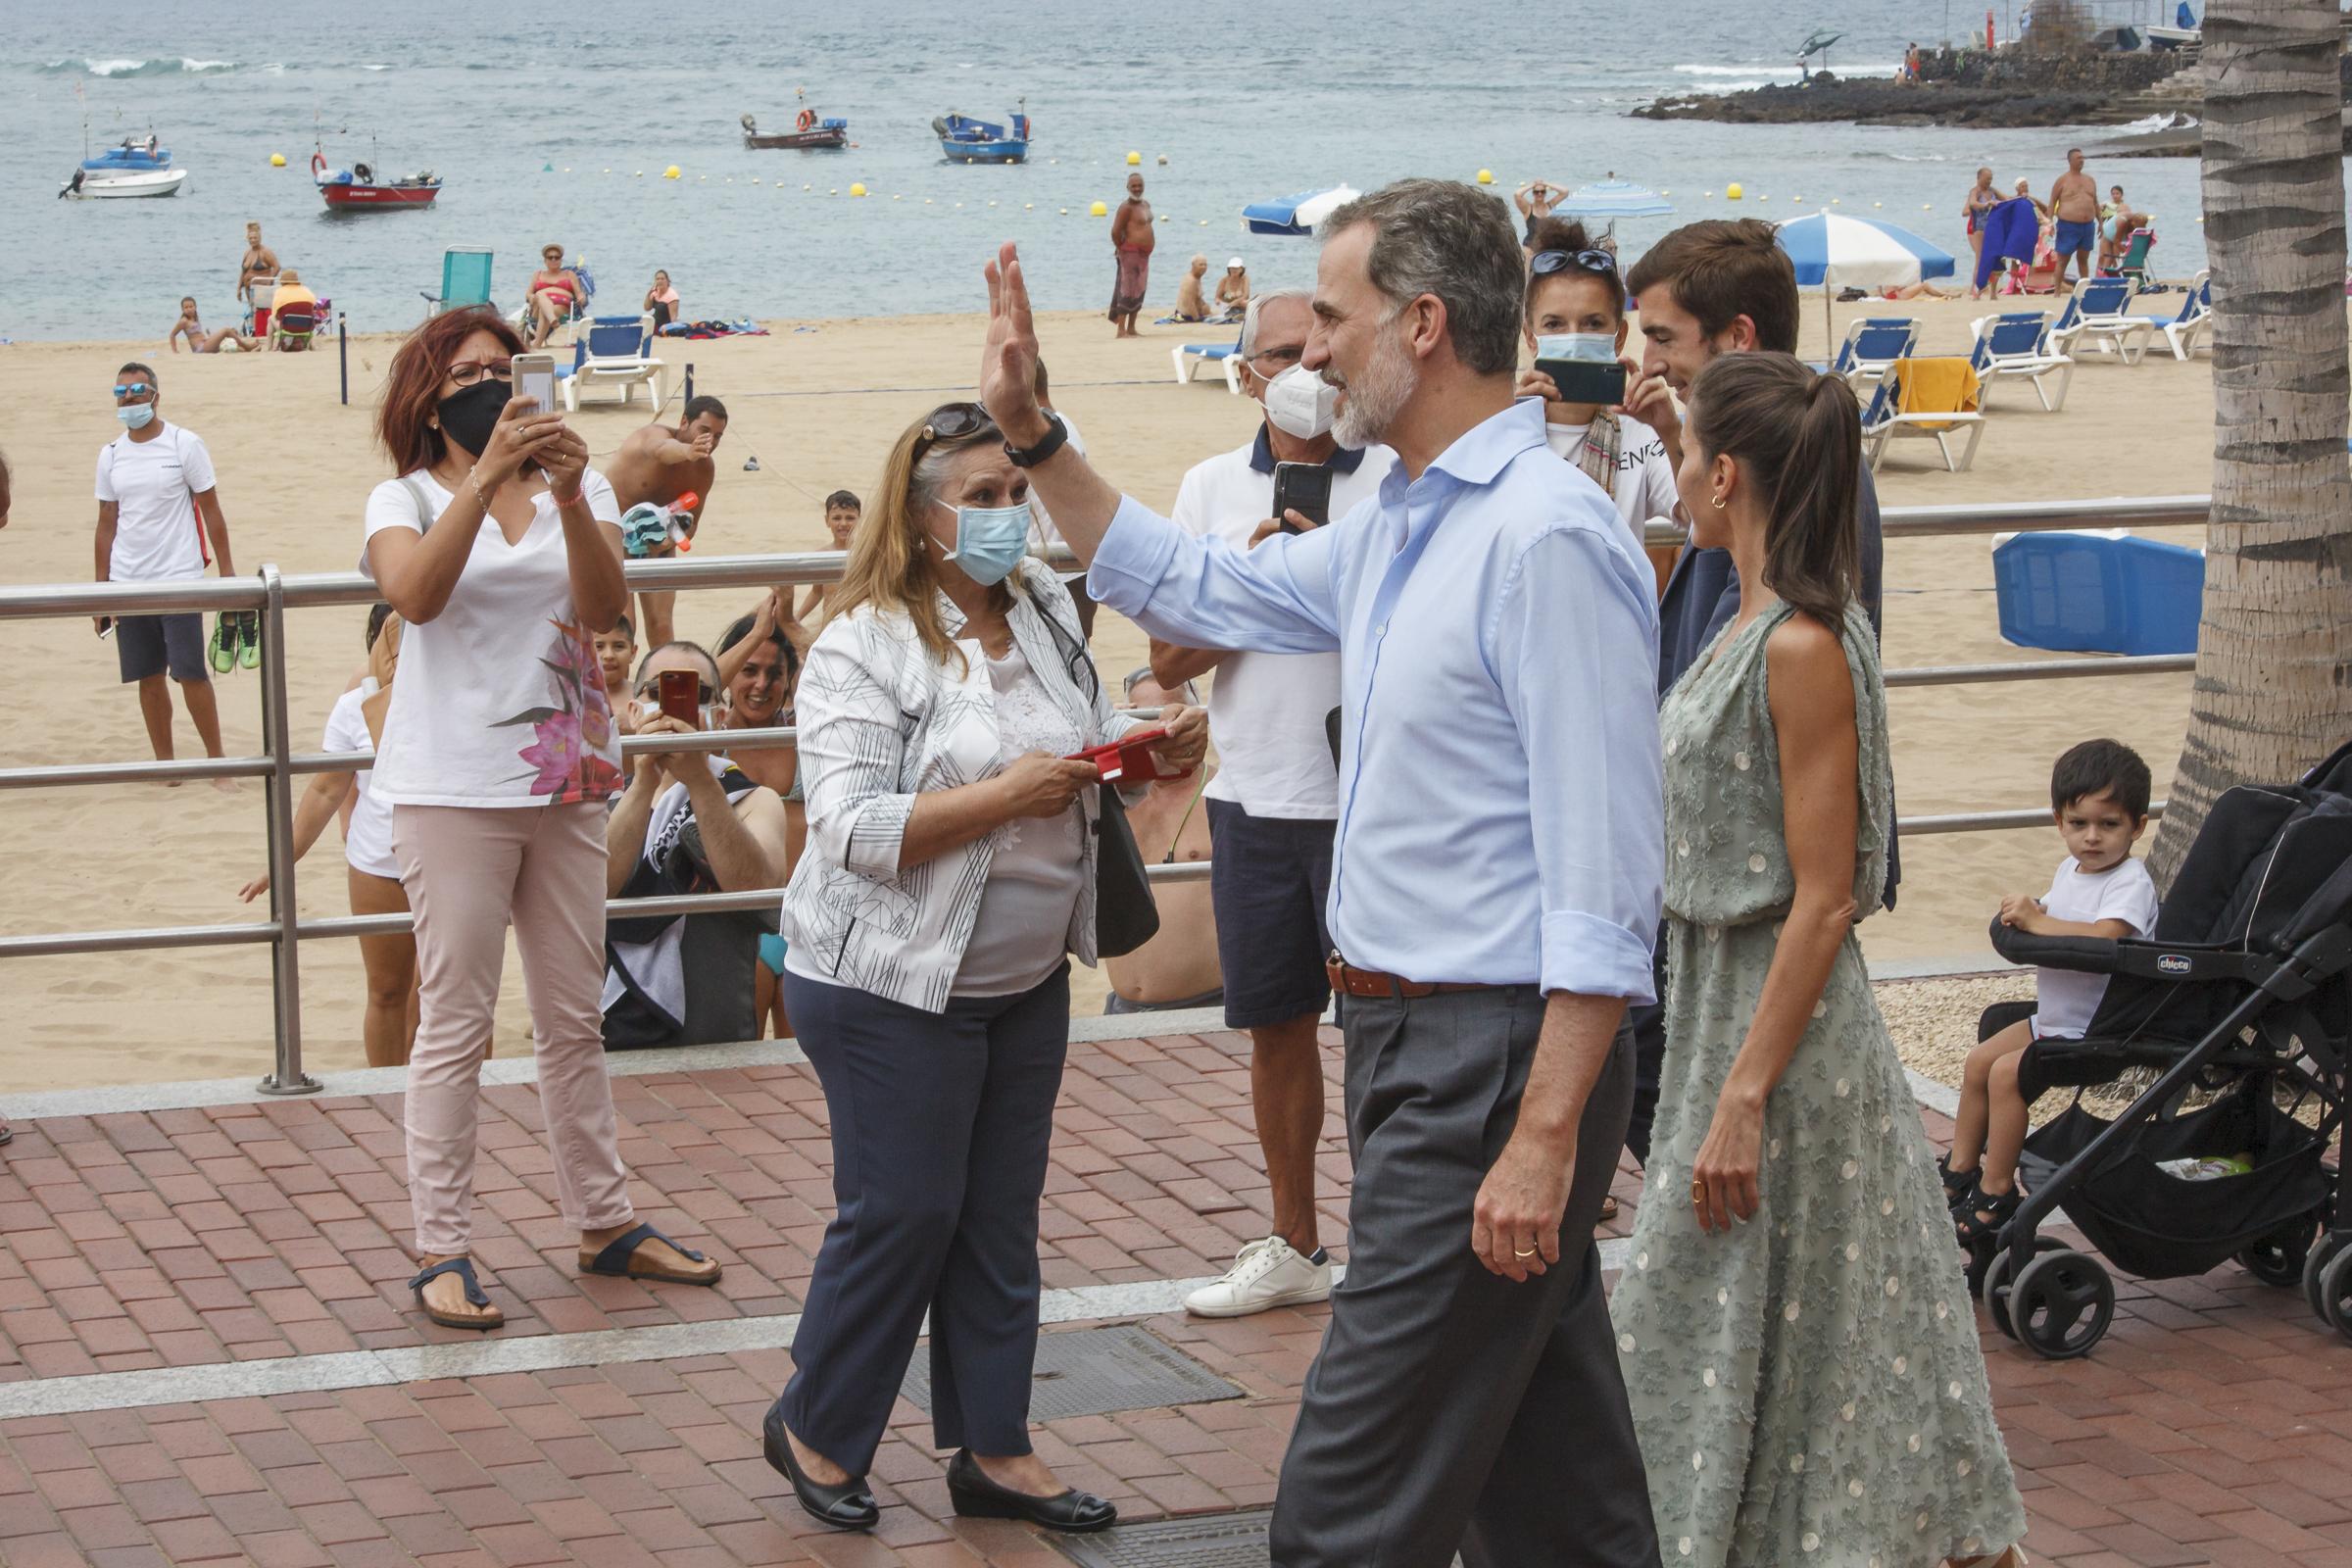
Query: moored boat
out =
(965, 140)
(357, 189)
(92, 184)
(809, 134)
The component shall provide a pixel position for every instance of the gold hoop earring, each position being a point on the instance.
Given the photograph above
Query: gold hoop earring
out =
(1716, 501)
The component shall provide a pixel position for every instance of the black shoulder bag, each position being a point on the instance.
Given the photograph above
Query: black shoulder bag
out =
(1125, 915)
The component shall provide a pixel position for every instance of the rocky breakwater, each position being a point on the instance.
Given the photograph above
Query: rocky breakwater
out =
(2003, 89)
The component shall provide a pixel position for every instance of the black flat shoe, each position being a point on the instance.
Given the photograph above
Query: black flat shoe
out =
(848, 1506)
(975, 1496)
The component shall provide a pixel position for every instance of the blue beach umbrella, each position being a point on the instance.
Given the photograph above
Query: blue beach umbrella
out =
(1297, 213)
(1831, 249)
(1613, 198)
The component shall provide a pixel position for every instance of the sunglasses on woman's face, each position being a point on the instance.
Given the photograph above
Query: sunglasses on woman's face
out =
(465, 372)
(1548, 261)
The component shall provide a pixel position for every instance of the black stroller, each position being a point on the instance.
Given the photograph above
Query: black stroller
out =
(2243, 995)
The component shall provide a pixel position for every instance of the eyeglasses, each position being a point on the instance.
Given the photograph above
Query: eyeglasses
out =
(132, 389)
(953, 421)
(1546, 263)
(465, 372)
(1284, 357)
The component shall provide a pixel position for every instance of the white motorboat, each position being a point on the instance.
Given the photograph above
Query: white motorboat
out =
(99, 183)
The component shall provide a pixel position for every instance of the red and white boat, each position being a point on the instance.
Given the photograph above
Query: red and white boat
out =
(357, 188)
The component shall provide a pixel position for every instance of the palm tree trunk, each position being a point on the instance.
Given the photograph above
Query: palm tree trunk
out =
(2273, 684)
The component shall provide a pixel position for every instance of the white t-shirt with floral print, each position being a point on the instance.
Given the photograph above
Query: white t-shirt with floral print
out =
(501, 700)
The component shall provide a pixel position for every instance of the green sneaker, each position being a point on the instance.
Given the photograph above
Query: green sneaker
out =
(225, 643)
(249, 654)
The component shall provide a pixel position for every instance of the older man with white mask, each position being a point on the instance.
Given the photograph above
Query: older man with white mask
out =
(1274, 804)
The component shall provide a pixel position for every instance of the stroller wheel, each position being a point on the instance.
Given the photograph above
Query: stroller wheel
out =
(2062, 1305)
(2336, 1292)
(2278, 1259)
(1996, 1282)
(2315, 1266)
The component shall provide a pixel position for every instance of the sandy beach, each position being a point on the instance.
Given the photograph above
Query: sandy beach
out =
(816, 403)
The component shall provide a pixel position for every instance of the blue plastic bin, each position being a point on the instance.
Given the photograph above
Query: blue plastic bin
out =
(2101, 593)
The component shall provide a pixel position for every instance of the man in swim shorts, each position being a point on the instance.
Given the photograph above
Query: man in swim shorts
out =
(2075, 205)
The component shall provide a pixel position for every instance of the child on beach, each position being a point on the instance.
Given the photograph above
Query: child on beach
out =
(187, 326)
(2099, 799)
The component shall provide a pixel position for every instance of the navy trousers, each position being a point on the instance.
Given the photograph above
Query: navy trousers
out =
(940, 1126)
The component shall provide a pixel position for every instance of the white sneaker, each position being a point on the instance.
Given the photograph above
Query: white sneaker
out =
(1266, 1274)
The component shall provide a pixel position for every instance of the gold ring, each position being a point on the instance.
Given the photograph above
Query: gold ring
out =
(1529, 1252)
(1698, 1189)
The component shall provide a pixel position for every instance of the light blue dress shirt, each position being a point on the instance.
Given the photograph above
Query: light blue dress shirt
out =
(1500, 816)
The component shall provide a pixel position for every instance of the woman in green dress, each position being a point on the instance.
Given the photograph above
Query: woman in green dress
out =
(1798, 1343)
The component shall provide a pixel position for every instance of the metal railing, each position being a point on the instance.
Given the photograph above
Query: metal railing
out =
(273, 594)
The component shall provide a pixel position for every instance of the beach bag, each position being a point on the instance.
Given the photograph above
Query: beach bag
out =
(1126, 917)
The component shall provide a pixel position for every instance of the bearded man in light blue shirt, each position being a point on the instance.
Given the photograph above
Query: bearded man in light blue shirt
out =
(1495, 890)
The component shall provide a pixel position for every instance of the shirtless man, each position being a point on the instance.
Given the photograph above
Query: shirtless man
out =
(1178, 967)
(658, 464)
(2075, 206)
(1131, 240)
(260, 262)
(1190, 304)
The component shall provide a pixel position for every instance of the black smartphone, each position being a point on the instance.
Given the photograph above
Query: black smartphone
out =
(1585, 381)
(1303, 488)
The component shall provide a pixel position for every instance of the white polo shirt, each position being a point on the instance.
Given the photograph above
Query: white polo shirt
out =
(154, 485)
(1267, 712)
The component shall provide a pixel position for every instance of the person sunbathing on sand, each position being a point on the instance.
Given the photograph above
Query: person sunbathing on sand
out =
(1191, 305)
(200, 341)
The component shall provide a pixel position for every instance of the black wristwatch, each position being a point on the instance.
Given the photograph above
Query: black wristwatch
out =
(1056, 432)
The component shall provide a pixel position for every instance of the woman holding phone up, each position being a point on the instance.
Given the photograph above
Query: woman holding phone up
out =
(950, 873)
(500, 550)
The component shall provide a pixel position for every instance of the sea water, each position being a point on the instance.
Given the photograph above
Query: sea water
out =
(554, 125)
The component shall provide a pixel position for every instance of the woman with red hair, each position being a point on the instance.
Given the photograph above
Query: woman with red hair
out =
(500, 550)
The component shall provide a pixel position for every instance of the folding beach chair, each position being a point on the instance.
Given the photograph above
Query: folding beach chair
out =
(2097, 314)
(1192, 356)
(1931, 397)
(293, 326)
(464, 280)
(2193, 321)
(2012, 345)
(2133, 262)
(1874, 343)
(617, 351)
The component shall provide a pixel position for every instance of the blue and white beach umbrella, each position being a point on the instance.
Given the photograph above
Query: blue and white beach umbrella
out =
(1613, 198)
(1832, 250)
(1297, 214)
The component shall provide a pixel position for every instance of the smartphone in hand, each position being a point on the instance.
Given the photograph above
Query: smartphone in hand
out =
(1601, 381)
(681, 695)
(1303, 488)
(535, 378)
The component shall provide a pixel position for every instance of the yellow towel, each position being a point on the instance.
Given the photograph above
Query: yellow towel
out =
(1938, 386)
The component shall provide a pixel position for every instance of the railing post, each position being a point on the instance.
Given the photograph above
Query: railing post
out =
(285, 974)
(343, 352)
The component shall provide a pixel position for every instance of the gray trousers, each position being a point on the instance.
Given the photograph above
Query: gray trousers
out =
(1451, 1409)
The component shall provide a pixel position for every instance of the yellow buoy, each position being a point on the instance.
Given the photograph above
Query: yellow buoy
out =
(1665, 193)
(1096, 211)
(1796, 198)
(857, 189)
(1927, 207)
(671, 172)
(1026, 207)
(278, 160)
(1134, 159)
(1485, 176)
(1733, 192)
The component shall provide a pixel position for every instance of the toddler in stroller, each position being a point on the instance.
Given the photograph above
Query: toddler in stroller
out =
(2099, 798)
(2241, 1002)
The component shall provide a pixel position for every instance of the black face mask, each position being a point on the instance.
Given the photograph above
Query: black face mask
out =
(467, 415)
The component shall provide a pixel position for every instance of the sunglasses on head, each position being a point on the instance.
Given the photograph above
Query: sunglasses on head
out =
(1549, 262)
(132, 389)
(953, 421)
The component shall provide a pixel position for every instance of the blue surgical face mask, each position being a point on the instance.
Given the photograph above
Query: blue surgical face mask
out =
(135, 416)
(990, 541)
(1594, 348)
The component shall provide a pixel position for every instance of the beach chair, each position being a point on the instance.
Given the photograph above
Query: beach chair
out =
(617, 351)
(1192, 356)
(294, 326)
(2012, 345)
(2193, 321)
(464, 280)
(2097, 314)
(2133, 262)
(1874, 343)
(1931, 397)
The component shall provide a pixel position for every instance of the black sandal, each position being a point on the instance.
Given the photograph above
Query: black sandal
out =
(1957, 1183)
(614, 1260)
(1982, 1214)
(462, 1268)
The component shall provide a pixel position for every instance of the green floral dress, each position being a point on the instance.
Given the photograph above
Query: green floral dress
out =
(1809, 1388)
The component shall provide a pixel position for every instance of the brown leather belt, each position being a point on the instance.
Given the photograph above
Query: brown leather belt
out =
(1371, 984)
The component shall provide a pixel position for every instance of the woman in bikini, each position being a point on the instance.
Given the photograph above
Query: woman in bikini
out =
(554, 291)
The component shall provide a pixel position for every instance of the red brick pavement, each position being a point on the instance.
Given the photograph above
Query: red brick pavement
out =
(2214, 1425)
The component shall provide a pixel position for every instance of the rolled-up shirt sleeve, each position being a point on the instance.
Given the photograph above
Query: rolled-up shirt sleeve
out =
(1202, 593)
(1573, 645)
(852, 752)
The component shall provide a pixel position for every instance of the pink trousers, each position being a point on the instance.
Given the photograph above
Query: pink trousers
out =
(469, 872)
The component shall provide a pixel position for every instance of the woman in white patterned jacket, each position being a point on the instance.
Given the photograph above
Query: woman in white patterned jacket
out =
(949, 875)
